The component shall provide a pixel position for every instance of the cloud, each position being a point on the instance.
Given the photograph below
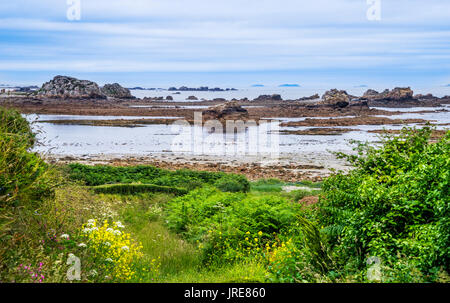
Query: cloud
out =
(233, 35)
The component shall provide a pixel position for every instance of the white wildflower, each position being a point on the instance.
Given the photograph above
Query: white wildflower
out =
(117, 232)
(82, 245)
(110, 230)
(109, 260)
(107, 244)
(65, 236)
(119, 224)
(125, 248)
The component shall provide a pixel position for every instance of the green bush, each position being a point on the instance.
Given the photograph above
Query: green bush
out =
(21, 172)
(233, 183)
(24, 183)
(395, 203)
(105, 174)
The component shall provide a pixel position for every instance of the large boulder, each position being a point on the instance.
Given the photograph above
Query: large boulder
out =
(226, 111)
(115, 90)
(335, 97)
(68, 87)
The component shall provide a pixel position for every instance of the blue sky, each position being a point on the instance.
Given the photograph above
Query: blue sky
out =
(159, 43)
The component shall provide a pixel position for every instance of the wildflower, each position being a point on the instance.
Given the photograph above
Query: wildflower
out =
(260, 233)
(87, 230)
(117, 232)
(110, 230)
(109, 260)
(107, 244)
(82, 245)
(119, 224)
(126, 248)
(65, 236)
(93, 273)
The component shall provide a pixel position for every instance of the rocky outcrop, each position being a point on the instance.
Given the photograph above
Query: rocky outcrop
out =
(194, 98)
(274, 97)
(115, 90)
(68, 87)
(397, 94)
(334, 97)
(425, 97)
(226, 111)
(313, 97)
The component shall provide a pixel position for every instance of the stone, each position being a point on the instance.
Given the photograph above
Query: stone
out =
(335, 97)
(115, 90)
(274, 97)
(226, 111)
(68, 87)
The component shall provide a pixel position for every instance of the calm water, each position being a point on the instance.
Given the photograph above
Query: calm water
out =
(154, 139)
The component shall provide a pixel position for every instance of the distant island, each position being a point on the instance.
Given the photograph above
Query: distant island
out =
(257, 85)
(142, 88)
(289, 85)
(201, 89)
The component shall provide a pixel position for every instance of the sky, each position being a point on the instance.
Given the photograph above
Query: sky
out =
(238, 43)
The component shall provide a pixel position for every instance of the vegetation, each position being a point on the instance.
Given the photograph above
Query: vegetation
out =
(146, 224)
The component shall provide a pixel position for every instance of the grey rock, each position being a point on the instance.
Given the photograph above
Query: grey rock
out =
(115, 90)
(68, 87)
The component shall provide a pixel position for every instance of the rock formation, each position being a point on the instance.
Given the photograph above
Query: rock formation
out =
(274, 97)
(396, 94)
(335, 97)
(226, 111)
(68, 87)
(115, 90)
(313, 97)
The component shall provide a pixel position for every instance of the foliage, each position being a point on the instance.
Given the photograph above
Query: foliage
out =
(104, 174)
(137, 188)
(396, 202)
(220, 221)
(233, 183)
(22, 174)
(25, 179)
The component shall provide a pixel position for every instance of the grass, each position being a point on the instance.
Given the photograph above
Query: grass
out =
(180, 261)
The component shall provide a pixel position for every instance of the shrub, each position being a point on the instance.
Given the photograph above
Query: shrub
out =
(138, 188)
(22, 174)
(396, 202)
(233, 184)
(102, 174)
